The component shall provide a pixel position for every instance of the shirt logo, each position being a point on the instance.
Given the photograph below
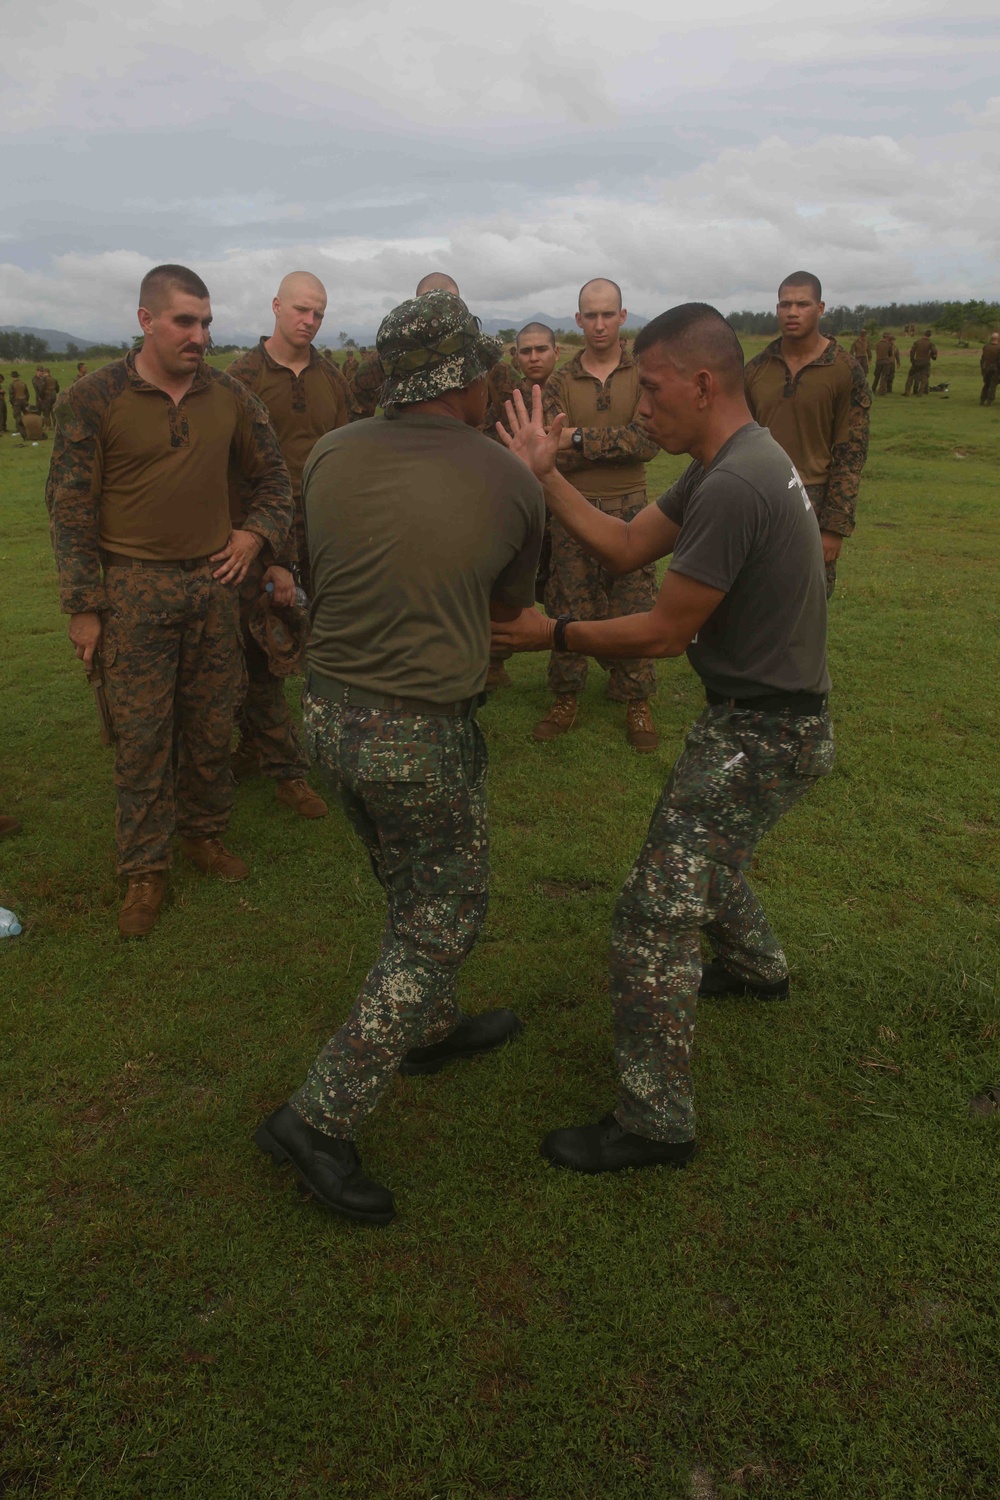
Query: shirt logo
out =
(795, 480)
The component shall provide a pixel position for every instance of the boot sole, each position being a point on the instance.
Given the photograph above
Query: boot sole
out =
(743, 994)
(270, 1147)
(414, 1070)
(625, 1166)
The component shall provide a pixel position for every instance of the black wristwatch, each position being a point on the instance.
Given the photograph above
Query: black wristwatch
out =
(559, 634)
(577, 440)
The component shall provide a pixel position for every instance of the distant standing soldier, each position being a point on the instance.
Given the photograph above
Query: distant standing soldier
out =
(861, 350)
(405, 587)
(306, 397)
(886, 363)
(149, 573)
(81, 371)
(3, 406)
(814, 400)
(38, 385)
(989, 368)
(918, 377)
(50, 390)
(350, 366)
(20, 398)
(604, 450)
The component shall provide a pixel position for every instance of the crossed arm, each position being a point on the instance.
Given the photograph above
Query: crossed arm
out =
(682, 605)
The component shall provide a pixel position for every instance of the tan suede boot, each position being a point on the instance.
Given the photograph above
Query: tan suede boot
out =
(142, 903)
(639, 726)
(300, 797)
(560, 718)
(213, 858)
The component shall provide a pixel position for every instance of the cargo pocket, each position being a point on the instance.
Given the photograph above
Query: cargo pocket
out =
(815, 759)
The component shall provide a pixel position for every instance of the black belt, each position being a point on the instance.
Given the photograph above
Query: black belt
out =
(354, 697)
(119, 560)
(772, 703)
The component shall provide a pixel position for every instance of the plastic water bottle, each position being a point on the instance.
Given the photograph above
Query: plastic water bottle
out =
(301, 597)
(9, 925)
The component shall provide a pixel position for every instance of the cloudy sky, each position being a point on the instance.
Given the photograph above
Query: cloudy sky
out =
(694, 151)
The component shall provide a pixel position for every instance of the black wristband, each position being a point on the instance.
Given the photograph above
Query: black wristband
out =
(559, 635)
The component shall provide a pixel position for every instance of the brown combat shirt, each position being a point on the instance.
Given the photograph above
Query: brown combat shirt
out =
(302, 407)
(990, 358)
(886, 352)
(923, 352)
(133, 473)
(615, 449)
(820, 418)
(19, 393)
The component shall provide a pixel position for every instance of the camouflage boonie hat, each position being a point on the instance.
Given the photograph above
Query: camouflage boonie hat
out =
(281, 630)
(432, 344)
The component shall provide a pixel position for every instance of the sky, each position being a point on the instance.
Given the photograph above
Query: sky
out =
(689, 152)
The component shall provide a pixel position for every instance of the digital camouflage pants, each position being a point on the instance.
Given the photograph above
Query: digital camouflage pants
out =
(172, 677)
(885, 374)
(414, 791)
(989, 389)
(264, 719)
(580, 587)
(817, 497)
(737, 774)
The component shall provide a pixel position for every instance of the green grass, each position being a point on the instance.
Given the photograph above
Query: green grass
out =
(809, 1310)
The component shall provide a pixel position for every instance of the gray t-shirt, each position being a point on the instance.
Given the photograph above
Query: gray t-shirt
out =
(414, 525)
(747, 528)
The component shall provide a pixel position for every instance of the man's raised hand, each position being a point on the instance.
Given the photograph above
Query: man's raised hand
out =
(527, 438)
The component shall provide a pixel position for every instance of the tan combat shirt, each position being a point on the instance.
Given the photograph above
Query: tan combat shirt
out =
(615, 449)
(19, 393)
(133, 473)
(820, 418)
(923, 352)
(990, 358)
(302, 407)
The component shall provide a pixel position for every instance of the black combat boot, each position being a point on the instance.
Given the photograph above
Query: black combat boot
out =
(609, 1147)
(472, 1035)
(716, 981)
(328, 1166)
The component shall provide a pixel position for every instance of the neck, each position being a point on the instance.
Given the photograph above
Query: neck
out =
(451, 404)
(725, 419)
(601, 359)
(151, 370)
(284, 353)
(803, 349)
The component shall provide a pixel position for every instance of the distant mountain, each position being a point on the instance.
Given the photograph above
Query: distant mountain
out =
(56, 339)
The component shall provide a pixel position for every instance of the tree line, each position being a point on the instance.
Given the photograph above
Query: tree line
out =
(973, 319)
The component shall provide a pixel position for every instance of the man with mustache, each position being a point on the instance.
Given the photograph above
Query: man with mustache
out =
(149, 571)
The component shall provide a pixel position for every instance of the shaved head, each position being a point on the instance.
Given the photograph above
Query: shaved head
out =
(600, 286)
(300, 281)
(695, 336)
(437, 281)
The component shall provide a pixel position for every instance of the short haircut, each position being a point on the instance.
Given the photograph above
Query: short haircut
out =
(437, 281)
(537, 328)
(595, 281)
(803, 278)
(928, 334)
(696, 335)
(159, 285)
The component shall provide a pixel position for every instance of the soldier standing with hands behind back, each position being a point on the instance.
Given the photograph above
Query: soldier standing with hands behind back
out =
(149, 573)
(605, 451)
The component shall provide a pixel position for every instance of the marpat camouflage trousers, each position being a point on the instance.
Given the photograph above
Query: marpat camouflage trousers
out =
(989, 389)
(736, 776)
(885, 374)
(817, 496)
(264, 719)
(414, 791)
(579, 586)
(172, 675)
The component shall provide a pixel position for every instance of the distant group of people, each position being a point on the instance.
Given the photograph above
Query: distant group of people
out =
(195, 513)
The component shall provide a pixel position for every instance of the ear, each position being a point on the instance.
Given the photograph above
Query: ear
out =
(622, 316)
(145, 319)
(275, 306)
(822, 308)
(579, 321)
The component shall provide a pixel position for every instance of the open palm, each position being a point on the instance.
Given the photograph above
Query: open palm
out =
(527, 438)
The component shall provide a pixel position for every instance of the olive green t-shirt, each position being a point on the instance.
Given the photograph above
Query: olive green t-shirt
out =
(414, 524)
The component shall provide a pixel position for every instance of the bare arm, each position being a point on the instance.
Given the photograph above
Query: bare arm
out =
(682, 606)
(621, 546)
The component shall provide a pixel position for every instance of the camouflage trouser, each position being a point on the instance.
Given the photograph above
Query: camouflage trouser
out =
(580, 587)
(885, 374)
(263, 718)
(172, 675)
(18, 409)
(736, 776)
(918, 380)
(414, 791)
(817, 495)
(3, 415)
(46, 408)
(989, 386)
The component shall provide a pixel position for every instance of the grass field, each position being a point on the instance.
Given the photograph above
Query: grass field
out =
(809, 1310)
